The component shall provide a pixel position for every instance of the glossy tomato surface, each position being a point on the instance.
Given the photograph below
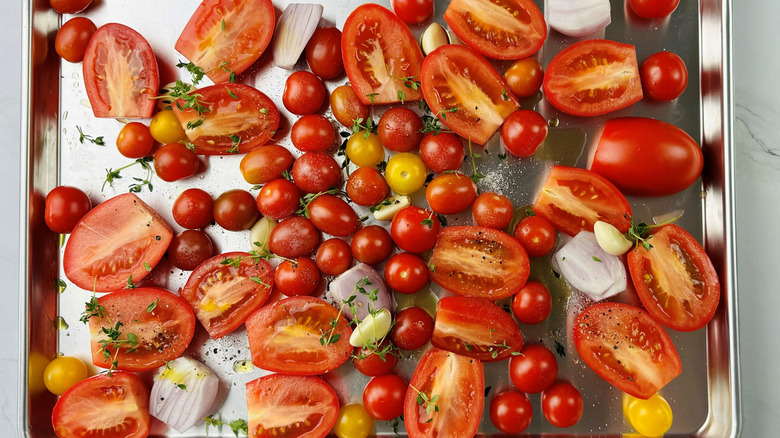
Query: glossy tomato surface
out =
(174, 161)
(451, 193)
(323, 53)
(664, 76)
(235, 210)
(65, 206)
(189, 249)
(413, 328)
(414, 229)
(511, 412)
(304, 93)
(562, 404)
(534, 369)
(294, 237)
(332, 215)
(384, 397)
(73, 37)
(265, 164)
(194, 208)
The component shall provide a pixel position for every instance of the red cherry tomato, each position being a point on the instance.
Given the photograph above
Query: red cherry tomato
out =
(536, 234)
(413, 11)
(334, 257)
(300, 277)
(371, 362)
(492, 210)
(331, 215)
(372, 245)
(664, 76)
(174, 161)
(265, 163)
(414, 229)
(406, 273)
(384, 397)
(562, 404)
(278, 199)
(134, 140)
(65, 206)
(511, 412)
(534, 369)
(651, 9)
(400, 129)
(304, 93)
(313, 133)
(346, 106)
(532, 303)
(524, 77)
(189, 249)
(413, 328)
(294, 237)
(315, 172)
(323, 53)
(73, 37)
(451, 193)
(442, 152)
(523, 132)
(235, 210)
(194, 208)
(69, 6)
(367, 187)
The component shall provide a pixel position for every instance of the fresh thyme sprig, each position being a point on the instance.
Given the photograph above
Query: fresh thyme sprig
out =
(84, 137)
(112, 175)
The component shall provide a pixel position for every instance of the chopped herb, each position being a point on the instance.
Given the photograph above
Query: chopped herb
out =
(559, 348)
(429, 403)
(379, 206)
(371, 96)
(232, 262)
(236, 143)
(431, 123)
(596, 259)
(130, 284)
(113, 341)
(411, 82)
(234, 96)
(259, 280)
(264, 110)
(286, 175)
(236, 426)
(427, 221)
(401, 96)
(190, 146)
(150, 308)
(223, 25)
(530, 212)
(502, 157)
(196, 72)
(93, 310)
(96, 140)
(147, 266)
(504, 95)
(192, 124)
(368, 128)
(432, 267)
(182, 386)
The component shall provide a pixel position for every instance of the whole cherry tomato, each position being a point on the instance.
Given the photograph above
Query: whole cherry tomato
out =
(534, 369)
(194, 208)
(492, 210)
(174, 161)
(346, 106)
(323, 53)
(235, 210)
(414, 229)
(65, 206)
(73, 37)
(511, 412)
(524, 77)
(442, 152)
(334, 257)
(413, 328)
(331, 215)
(372, 245)
(562, 404)
(304, 93)
(376, 361)
(364, 149)
(278, 199)
(451, 193)
(536, 234)
(664, 76)
(313, 133)
(405, 173)
(69, 6)
(315, 172)
(299, 277)
(135, 140)
(294, 237)
(406, 273)
(189, 249)
(523, 132)
(384, 397)
(651, 9)
(265, 163)
(413, 11)
(532, 303)
(366, 186)
(400, 129)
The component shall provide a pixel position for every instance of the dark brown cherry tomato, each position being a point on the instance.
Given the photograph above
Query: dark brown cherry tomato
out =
(536, 234)
(189, 249)
(442, 152)
(406, 273)
(235, 210)
(278, 199)
(265, 163)
(315, 172)
(384, 397)
(532, 303)
(65, 206)
(334, 257)
(366, 186)
(194, 208)
(400, 129)
(414, 229)
(524, 77)
(294, 237)
(174, 161)
(300, 277)
(511, 412)
(371, 363)
(330, 214)
(323, 53)
(372, 245)
(562, 404)
(664, 76)
(523, 132)
(492, 210)
(304, 93)
(451, 193)
(73, 37)
(346, 106)
(413, 328)
(69, 6)
(134, 140)
(313, 133)
(534, 369)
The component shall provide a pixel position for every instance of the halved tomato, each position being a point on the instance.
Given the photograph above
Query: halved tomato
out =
(227, 36)
(104, 406)
(445, 396)
(466, 92)
(475, 327)
(593, 77)
(500, 29)
(148, 326)
(237, 119)
(114, 243)
(573, 199)
(295, 336)
(381, 57)
(675, 279)
(120, 73)
(290, 406)
(224, 290)
(479, 262)
(626, 347)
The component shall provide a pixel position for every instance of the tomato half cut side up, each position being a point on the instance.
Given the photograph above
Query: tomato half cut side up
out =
(499, 29)
(225, 37)
(235, 120)
(457, 384)
(290, 406)
(224, 290)
(120, 73)
(626, 347)
(574, 199)
(104, 406)
(593, 77)
(675, 279)
(113, 242)
(381, 57)
(466, 92)
(294, 336)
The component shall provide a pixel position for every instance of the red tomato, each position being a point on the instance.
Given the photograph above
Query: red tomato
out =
(523, 132)
(534, 369)
(458, 382)
(300, 277)
(372, 245)
(414, 229)
(105, 406)
(160, 335)
(381, 57)
(313, 133)
(511, 412)
(225, 289)
(323, 53)
(367, 187)
(492, 210)
(73, 37)
(65, 206)
(225, 37)
(174, 161)
(115, 241)
(608, 82)
(347, 106)
(524, 77)
(69, 6)
(278, 199)
(473, 103)
(384, 397)
(451, 193)
(536, 234)
(315, 172)
(304, 93)
(194, 208)
(334, 257)
(306, 405)
(400, 129)
(626, 347)
(331, 215)
(442, 152)
(502, 29)
(413, 11)
(406, 273)
(562, 404)
(120, 73)
(651, 9)
(189, 249)
(294, 336)
(532, 304)
(675, 279)
(480, 262)
(647, 157)
(237, 119)
(413, 328)
(135, 140)
(265, 164)
(294, 237)
(376, 362)
(664, 76)
(574, 199)
(235, 210)
(475, 327)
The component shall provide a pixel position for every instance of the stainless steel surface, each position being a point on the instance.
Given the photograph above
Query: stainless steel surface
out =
(705, 399)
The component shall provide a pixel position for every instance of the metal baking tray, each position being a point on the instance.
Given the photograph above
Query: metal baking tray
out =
(705, 398)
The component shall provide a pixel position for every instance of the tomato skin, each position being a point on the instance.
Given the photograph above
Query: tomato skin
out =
(353, 422)
(313, 133)
(331, 215)
(523, 132)
(451, 193)
(562, 404)
(442, 152)
(400, 129)
(278, 199)
(323, 53)
(174, 161)
(524, 77)
(347, 106)
(367, 187)
(532, 304)
(165, 128)
(511, 412)
(384, 397)
(299, 278)
(265, 164)
(65, 206)
(62, 373)
(304, 93)
(684, 302)
(651, 9)
(534, 369)
(413, 328)
(73, 37)
(413, 11)
(235, 210)
(189, 249)
(365, 150)
(405, 173)
(664, 76)
(135, 140)
(315, 172)
(536, 234)
(194, 208)
(372, 364)
(406, 273)
(492, 210)
(334, 257)
(372, 245)
(410, 233)
(294, 237)
(69, 6)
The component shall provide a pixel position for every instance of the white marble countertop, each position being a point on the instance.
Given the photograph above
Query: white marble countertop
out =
(757, 141)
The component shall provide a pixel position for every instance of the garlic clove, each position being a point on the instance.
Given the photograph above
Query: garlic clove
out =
(371, 329)
(610, 239)
(386, 211)
(434, 37)
(260, 233)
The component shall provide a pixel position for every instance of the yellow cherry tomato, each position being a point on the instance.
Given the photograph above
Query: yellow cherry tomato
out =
(651, 418)
(62, 373)
(166, 129)
(365, 151)
(405, 173)
(353, 422)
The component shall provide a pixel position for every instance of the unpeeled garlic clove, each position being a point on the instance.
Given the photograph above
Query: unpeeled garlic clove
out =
(434, 37)
(610, 239)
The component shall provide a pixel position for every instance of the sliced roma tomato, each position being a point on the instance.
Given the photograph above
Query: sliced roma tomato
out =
(294, 336)
(593, 77)
(115, 406)
(675, 279)
(224, 290)
(500, 29)
(290, 406)
(239, 119)
(626, 347)
(154, 326)
(113, 242)
(227, 36)
(381, 57)
(458, 384)
(466, 92)
(574, 199)
(120, 73)
(475, 327)
(479, 262)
